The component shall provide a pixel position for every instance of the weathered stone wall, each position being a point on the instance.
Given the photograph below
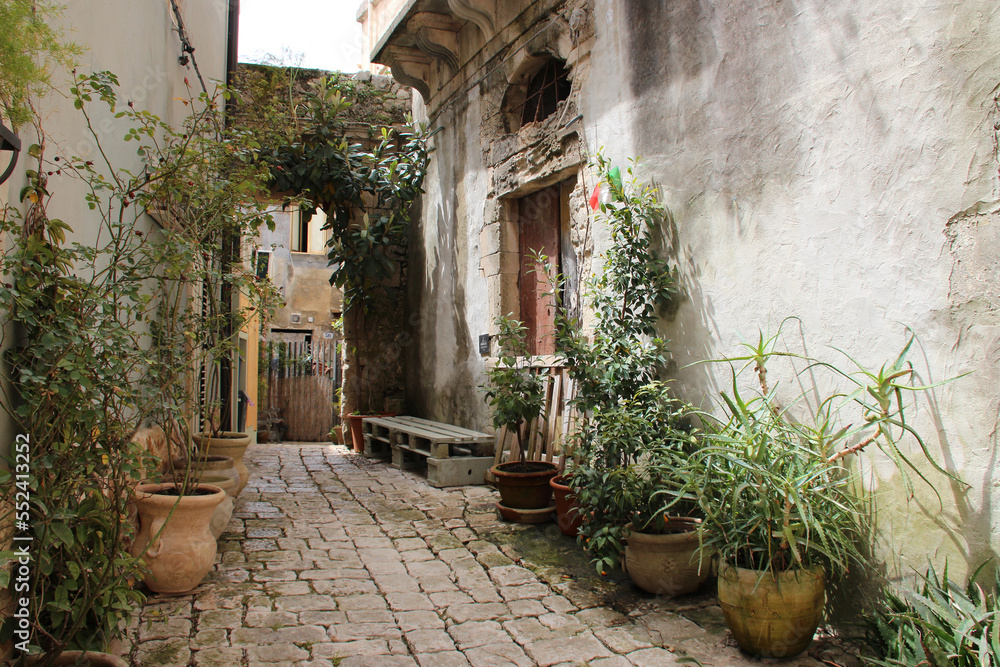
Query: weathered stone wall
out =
(835, 162)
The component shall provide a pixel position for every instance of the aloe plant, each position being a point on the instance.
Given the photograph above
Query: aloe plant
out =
(941, 623)
(775, 481)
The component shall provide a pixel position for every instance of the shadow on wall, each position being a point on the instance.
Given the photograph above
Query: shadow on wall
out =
(439, 382)
(970, 530)
(687, 322)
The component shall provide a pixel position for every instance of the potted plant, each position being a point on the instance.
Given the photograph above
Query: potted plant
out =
(210, 205)
(634, 491)
(175, 540)
(516, 395)
(785, 514)
(612, 364)
(569, 516)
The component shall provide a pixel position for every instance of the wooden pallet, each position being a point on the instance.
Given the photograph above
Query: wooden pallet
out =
(452, 455)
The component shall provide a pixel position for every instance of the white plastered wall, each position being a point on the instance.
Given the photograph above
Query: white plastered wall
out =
(830, 161)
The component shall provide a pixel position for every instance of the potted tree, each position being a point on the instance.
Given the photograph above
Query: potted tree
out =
(516, 395)
(210, 204)
(209, 200)
(783, 511)
(86, 369)
(612, 364)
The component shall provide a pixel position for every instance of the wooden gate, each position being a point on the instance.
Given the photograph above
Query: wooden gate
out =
(303, 382)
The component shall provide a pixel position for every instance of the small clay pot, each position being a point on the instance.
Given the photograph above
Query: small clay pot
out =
(357, 436)
(569, 516)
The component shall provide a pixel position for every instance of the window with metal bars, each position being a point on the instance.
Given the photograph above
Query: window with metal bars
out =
(546, 89)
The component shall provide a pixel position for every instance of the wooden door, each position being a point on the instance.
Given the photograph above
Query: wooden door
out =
(539, 226)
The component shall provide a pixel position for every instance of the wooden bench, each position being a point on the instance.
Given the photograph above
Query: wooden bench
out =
(454, 456)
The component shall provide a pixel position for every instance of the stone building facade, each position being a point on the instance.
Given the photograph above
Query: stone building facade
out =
(831, 161)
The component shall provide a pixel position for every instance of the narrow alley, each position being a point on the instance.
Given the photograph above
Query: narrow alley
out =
(332, 559)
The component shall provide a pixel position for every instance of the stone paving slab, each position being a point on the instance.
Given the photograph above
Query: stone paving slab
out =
(333, 559)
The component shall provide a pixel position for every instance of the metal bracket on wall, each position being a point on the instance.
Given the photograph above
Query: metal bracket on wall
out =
(9, 142)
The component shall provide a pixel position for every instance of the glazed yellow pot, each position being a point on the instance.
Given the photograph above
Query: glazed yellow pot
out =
(772, 617)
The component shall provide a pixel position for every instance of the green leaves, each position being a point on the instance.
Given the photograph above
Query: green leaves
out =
(938, 624)
(514, 391)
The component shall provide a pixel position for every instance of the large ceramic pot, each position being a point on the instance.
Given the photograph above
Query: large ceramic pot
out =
(227, 443)
(174, 538)
(568, 515)
(772, 617)
(224, 511)
(667, 563)
(214, 466)
(525, 485)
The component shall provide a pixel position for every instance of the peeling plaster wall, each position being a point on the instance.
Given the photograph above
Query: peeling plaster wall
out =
(831, 161)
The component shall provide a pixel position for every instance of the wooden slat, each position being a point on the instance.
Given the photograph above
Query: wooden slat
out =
(436, 431)
(501, 445)
(451, 428)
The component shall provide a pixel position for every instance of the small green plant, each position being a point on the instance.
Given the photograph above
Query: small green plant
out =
(941, 623)
(514, 392)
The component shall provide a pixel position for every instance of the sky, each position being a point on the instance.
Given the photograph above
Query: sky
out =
(325, 33)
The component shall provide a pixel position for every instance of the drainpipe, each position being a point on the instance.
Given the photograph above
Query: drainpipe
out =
(232, 44)
(230, 246)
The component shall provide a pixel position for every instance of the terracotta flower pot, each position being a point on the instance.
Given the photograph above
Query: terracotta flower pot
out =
(214, 465)
(568, 514)
(227, 443)
(224, 512)
(667, 563)
(181, 548)
(357, 436)
(525, 485)
(772, 618)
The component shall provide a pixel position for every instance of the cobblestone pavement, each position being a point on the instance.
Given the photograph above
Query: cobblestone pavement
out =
(332, 559)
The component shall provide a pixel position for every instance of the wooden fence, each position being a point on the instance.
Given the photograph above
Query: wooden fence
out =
(303, 378)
